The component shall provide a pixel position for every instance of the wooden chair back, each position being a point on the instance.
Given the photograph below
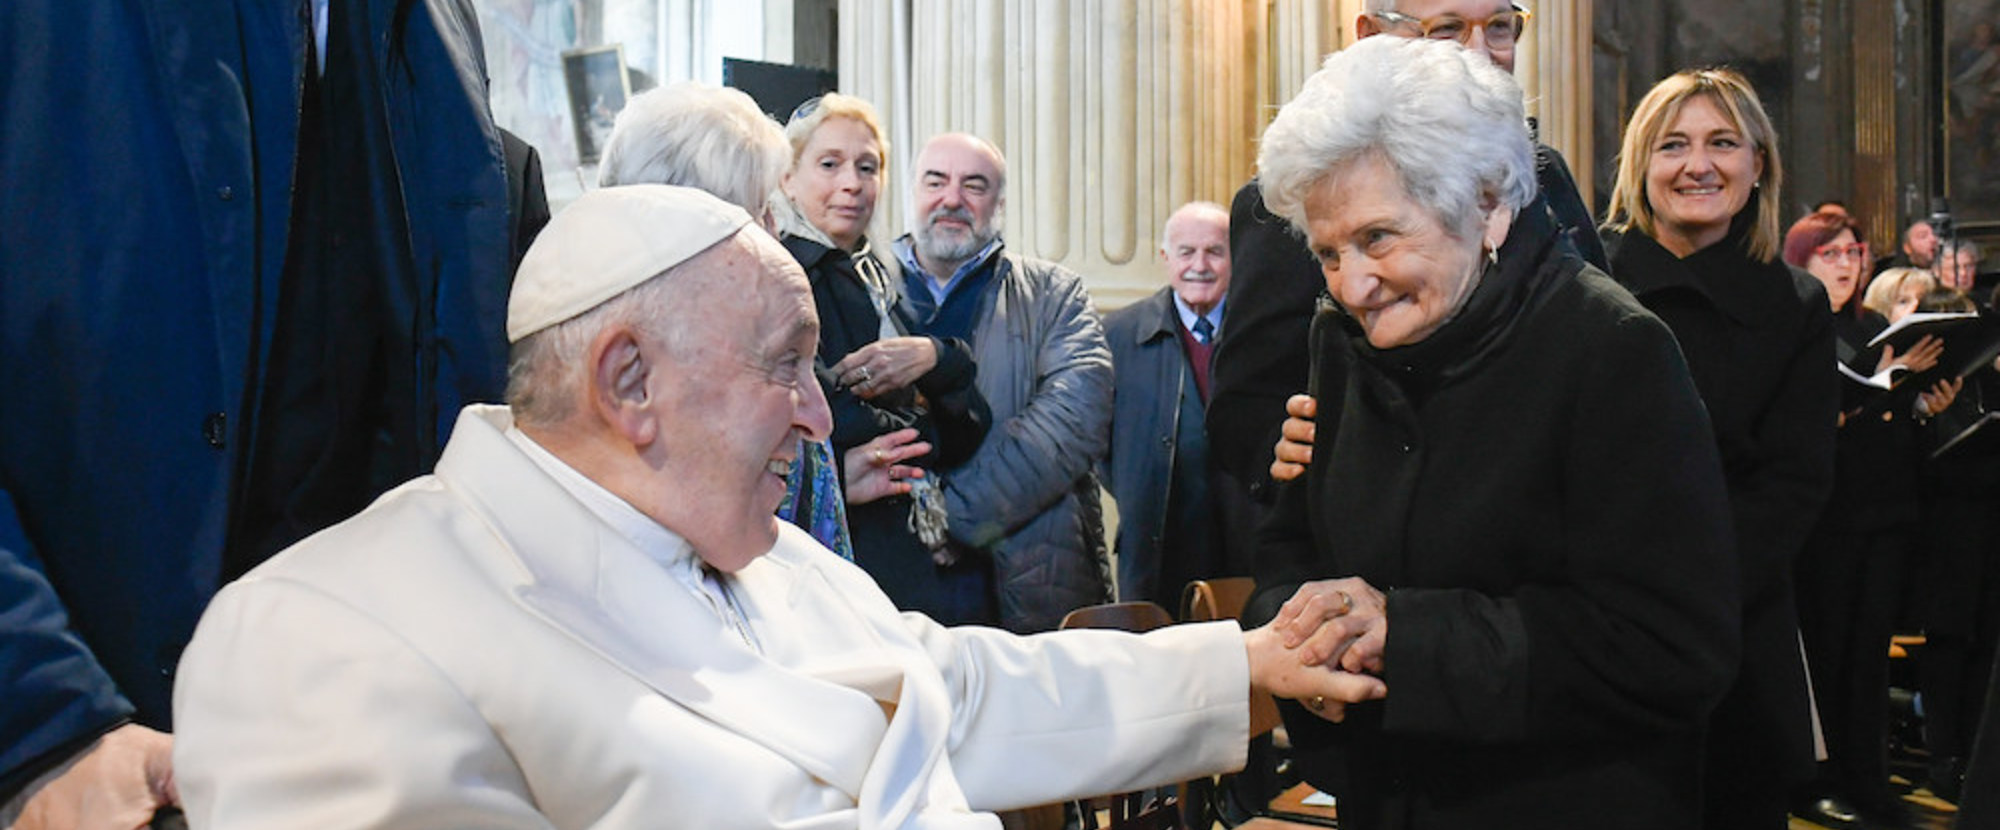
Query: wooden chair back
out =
(1216, 599)
(1136, 810)
(1205, 600)
(1123, 616)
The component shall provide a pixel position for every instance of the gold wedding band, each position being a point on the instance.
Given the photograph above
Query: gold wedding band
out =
(1346, 604)
(1317, 703)
(865, 374)
(878, 456)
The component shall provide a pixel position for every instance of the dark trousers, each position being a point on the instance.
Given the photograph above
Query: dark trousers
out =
(1850, 584)
(1753, 801)
(1960, 612)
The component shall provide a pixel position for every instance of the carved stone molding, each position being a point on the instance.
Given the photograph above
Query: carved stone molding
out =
(1114, 112)
(1111, 113)
(1555, 71)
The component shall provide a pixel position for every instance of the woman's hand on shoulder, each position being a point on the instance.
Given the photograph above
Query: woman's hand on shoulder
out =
(1293, 451)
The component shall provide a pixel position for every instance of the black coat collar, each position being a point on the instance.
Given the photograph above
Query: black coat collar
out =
(1723, 272)
(1163, 321)
(808, 252)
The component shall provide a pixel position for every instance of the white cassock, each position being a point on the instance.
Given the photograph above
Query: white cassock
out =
(479, 649)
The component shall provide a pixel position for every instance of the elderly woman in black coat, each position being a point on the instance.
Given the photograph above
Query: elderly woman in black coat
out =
(1519, 519)
(1695, 236)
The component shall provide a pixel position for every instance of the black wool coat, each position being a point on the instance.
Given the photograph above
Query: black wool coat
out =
(944, 406)
(952, 415)
(1536, 488)
(1758, 337)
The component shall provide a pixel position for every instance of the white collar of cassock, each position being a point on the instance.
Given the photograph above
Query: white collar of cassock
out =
(660, 544)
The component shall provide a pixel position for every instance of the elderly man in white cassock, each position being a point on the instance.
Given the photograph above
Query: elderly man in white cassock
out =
(587, 617)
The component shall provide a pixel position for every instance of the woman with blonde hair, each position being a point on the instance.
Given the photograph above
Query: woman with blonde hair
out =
(1694, 235)
(904, 408)
(1896, 292)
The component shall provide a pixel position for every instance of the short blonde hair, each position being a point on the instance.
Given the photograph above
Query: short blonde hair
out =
(1882, 291)
(813, 113)
(1730, 91)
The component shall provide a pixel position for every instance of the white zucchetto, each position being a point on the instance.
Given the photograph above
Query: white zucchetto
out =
(608, 241)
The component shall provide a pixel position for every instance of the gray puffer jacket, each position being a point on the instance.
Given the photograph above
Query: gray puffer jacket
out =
(1029, 497)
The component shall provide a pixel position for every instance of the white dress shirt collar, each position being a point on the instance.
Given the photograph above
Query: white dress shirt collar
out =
(1188, 316)
(664, 546)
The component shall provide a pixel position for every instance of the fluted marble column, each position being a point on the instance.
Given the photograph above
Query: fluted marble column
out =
(1114, 112)
(1554, 68)
(1111, 113)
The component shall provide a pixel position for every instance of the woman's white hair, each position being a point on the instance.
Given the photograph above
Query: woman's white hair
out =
(696, 135)
(1447, 120)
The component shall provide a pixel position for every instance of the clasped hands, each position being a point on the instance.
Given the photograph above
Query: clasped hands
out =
(1324, 649)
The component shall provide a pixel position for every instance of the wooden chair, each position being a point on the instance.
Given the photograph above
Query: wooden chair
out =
(1135, 810)
(1138, 617)
(1900, 645)
(1205, 600)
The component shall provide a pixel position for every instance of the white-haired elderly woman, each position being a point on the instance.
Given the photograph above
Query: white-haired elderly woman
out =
(716, 139)
(902, 405)
(1518, 519)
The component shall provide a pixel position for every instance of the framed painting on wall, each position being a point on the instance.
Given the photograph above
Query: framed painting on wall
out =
(1971, 65)
(598, 88)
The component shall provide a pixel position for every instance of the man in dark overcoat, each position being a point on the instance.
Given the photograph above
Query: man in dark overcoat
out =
(250, 276)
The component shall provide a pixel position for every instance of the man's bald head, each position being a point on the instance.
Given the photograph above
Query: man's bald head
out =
(960, 187)
(1195, 243)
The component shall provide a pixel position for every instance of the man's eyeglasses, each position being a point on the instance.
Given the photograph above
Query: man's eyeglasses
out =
(1833, 254)
(1503, 30)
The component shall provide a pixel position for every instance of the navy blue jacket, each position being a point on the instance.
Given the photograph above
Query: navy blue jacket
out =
(148, 164)
(1152, 385)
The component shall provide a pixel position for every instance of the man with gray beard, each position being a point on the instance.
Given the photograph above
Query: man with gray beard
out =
(1025, 523)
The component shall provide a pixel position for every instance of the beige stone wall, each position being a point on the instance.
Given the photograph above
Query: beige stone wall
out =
(1554, 68)
(1114, 112)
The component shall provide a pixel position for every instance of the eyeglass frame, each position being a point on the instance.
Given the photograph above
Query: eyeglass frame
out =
(1425, 26)
(1832, 254)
